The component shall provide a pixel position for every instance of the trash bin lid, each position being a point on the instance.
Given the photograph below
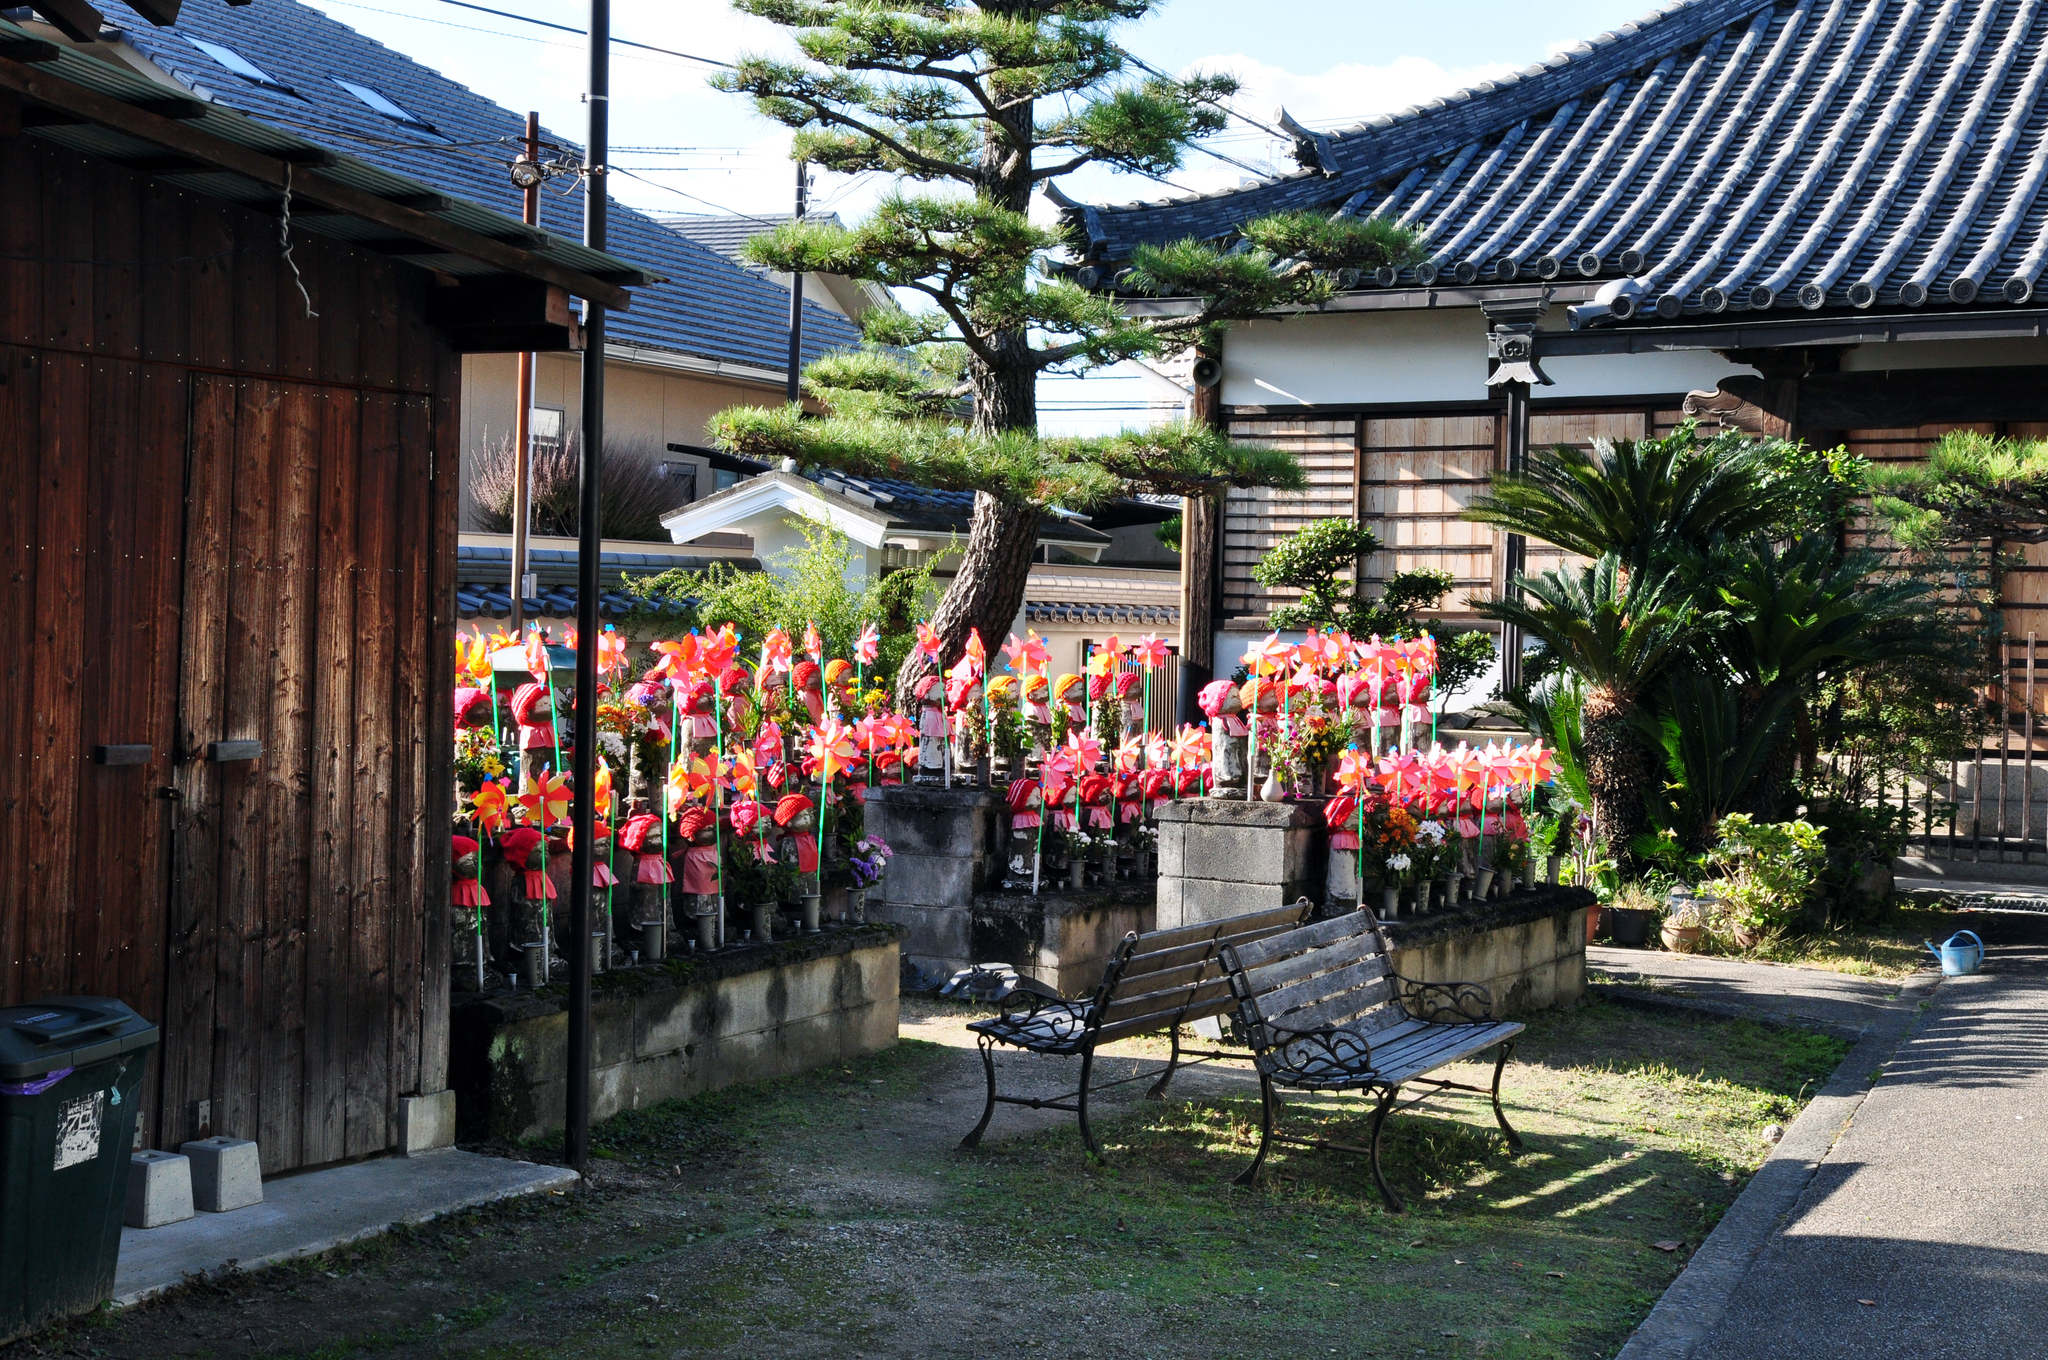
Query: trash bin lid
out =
(67, 1031)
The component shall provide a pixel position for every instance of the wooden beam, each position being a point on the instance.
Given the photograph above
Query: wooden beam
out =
(271, 170)
(27, 49)
(10, 114)
(1900, 398)
(162, 13)
(75, 19)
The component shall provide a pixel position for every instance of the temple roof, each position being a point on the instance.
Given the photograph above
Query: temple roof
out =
(1719, 155)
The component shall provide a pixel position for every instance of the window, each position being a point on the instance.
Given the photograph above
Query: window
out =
(724, 480)
(545, 424)
(379, 103)
(239, 64)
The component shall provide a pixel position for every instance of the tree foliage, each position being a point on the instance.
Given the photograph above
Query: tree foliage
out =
(1972, 486)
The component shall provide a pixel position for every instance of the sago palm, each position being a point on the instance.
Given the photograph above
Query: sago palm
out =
(1644, 500)
(1618, 634)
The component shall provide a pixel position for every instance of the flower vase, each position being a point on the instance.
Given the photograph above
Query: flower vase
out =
(1390, 903)
(857, 905)
(1550, 876)
(1447, 891)
(761, 920)
(1077, 870)
(1485, 889)
(1271, 791)
(812, 913)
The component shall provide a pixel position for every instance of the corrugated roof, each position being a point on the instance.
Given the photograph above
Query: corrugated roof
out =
(708, 307)
(1721, 155)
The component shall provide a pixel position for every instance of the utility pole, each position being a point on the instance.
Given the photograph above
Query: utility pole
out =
(522, 419)
(796, 294)
(589, 548)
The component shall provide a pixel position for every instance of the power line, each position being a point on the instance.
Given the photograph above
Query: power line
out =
(581, 33)
(514, 37)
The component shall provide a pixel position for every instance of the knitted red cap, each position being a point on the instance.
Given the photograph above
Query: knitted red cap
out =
(790, 807)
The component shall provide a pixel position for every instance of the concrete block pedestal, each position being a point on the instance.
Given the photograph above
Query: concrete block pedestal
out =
(947, 845)
(227, 1174)
(1223, 857)
(159, 1190)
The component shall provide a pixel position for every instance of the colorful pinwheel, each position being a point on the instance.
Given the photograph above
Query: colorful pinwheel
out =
(1355, 773)
(929, 643)
(1130, 754)
(716, 651)
(611, 652)
(537, 656)
(678, 659)
(976, 652)
(545, 800)
(1149, 650)
(740, 773)
(688, 780)
(1085, 750)
(473, 658)
(775, 653)
(489, 808)
(868, 645)
(834, 747)
(1190, 747)
(602, 790)
(814, 646)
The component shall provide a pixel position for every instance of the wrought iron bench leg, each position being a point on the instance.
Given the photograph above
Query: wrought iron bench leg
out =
(988, 1063)
(1081, 1112)
(1506, 1048)
(1157, 1090)
(1250, 1175)
(1379, 1117)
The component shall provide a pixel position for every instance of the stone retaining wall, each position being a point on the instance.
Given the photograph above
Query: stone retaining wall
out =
(1528, 948)
(743, 1013)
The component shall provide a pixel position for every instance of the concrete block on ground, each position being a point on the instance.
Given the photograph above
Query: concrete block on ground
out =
(227, 1173)
(159, 1189)
(426, 1123)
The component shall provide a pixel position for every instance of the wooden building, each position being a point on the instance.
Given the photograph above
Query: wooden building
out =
(1817, 217)
(229, 608)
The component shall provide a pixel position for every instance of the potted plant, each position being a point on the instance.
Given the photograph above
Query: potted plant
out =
(1685, 922)
(1078, 845)
(1768, 871)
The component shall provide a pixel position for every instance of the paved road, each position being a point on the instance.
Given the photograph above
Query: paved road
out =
(1778, 991)
(1933, 1204)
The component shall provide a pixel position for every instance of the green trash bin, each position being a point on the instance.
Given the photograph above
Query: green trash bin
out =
(70, 1077)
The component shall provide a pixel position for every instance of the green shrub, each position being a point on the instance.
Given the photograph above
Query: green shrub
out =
(1769, 870)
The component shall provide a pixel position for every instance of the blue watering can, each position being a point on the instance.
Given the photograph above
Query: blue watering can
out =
(1956, 957)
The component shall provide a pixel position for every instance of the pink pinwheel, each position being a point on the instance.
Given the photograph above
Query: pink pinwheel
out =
(1149, 650)
(1542, 765)
(678, 659)
(1058, 764)
(1155, 750)
(868, 645)
(1402, 777)
(1085, 749)
(814, 646)
(768, 745)
(775, 652)
(1354, 772)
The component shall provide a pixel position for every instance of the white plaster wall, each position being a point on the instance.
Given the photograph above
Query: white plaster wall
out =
(1342, 358)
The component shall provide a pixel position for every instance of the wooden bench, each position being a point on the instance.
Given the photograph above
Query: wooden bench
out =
(1324, 1010)
(1162, 979)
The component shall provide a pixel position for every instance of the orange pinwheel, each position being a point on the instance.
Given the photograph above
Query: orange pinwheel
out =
(489, 808)
(1266, 657)
(1103, 660)
(1354, 772)
(1149, 650)
(716, 650)
(1190, 747)
(976, 652)
(868, 645)
(1130, 754)
(537, 656)
(814, 646)
(611, 652)
(545, 800)
(834, 747)
(687, 780)
(501, 639)
(740, 773)
(602, 789)
(473, 658)
(929, 643)
(775, 653)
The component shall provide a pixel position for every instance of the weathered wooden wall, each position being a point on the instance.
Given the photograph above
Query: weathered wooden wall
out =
(227, 523)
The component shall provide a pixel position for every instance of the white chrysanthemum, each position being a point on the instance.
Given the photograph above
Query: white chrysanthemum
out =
(613, 745)
(1398, 863)
(1433, 832)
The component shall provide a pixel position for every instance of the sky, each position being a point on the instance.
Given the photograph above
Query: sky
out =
(680, 146)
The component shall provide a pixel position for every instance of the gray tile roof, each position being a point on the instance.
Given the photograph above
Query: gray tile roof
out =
(709, 308)
(1720, 155)
(726, 233)
(483, 580)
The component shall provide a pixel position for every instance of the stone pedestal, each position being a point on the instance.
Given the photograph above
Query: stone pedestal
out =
(1221, 857)
(1528, 948)
(1061, 939)
(948, 846)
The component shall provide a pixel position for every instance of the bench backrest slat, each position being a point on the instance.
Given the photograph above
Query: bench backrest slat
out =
(1276, 1004)
(1333, 973)
(1364, 1010)
(1168, 977)
(1282, 972)
(1315, 935)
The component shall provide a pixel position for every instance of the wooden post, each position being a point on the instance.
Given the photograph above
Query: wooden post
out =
(1201, 555)
(1511, 344)
(1515, 445)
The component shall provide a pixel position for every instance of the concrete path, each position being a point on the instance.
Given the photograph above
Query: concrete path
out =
(1922, 1229)
(1811, 997)
(318, 1211)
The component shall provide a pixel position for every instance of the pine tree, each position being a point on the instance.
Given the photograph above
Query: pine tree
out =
(979, 107)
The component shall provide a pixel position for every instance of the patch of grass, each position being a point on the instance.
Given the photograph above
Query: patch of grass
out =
(1639, 1129)
(1891, 946)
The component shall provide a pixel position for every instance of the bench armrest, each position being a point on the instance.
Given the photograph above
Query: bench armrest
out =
(1445, 1003)
(1028, 997)
(1306, 1049)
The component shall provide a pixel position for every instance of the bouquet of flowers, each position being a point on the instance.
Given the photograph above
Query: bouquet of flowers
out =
(869, 861)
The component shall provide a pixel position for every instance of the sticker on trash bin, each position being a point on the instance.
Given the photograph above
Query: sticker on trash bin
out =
(78, 1129)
